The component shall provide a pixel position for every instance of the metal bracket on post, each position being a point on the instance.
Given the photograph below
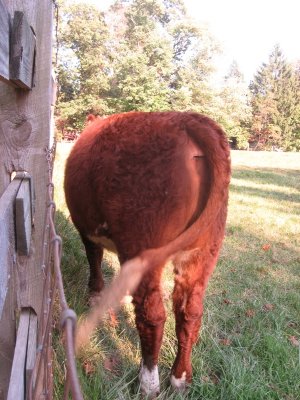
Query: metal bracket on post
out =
(22, 52)
(17, 49)
(24, 212)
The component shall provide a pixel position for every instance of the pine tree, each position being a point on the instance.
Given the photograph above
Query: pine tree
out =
(275, 101)
(234, 111)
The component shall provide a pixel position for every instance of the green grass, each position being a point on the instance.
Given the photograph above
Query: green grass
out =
(252, 306)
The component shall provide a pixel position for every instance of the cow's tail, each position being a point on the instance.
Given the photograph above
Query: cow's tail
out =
(212, 141)
(111, 296)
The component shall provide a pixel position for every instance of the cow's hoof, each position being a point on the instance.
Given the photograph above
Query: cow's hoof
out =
(179, 384)
(149, 380)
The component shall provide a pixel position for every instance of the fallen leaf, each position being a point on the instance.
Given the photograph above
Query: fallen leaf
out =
(225, 342)
(262, 271)
(250, 313)
(215, 380)
(294, 341)
(88, 367)
(113, 321)
(227, 301)
(279, 391)
(275, 260)
(110, 363)
(268, 307)
(266, 247)
(210, 379)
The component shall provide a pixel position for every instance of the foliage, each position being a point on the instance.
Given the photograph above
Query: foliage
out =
(275, 104)
(149, 55)
(142, 60)
(234, 110)
(84, 62)
(141, 55)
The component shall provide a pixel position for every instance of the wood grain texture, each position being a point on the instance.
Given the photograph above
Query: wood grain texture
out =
(7, 339)
(4, 42)
(7, 238)
(31, 350)
(7, 284)
(16, 390)
(23, 217)
(22, 52)
(24, 135)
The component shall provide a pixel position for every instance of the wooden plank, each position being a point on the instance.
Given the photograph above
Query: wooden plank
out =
(22, 52)
(25, 175)
(31, 351)
(7, 339)
(24, 217)
(4, 42)
(7, 238)
(24, 135)
(16, 390)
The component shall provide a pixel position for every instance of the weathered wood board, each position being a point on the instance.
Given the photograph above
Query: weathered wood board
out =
(7, 339)
(24, 136)
(7, 284)
(31, 351)
(16, 390)
(4, 42)
(7, 238)
(22, 52)
(24, 217)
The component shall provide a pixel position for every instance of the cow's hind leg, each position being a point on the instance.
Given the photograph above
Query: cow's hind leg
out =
(94, 253)
(150, 320)
(191, 277)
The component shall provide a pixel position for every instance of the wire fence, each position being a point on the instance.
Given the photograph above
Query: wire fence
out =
(42, 376)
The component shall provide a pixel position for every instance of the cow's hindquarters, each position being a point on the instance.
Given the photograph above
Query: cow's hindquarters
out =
(193, 269)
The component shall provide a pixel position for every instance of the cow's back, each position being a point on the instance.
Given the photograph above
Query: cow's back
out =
(137, 179)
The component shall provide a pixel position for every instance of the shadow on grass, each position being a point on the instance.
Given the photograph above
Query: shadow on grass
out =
(279, 177)
(268, 194)
(75, 271)
(251, 316)
(289, 180)
(251, 310)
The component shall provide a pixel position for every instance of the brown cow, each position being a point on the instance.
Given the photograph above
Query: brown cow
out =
(153, 186)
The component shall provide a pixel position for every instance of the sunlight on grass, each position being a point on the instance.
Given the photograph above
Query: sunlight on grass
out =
(266, 159)
(252, 306)
(268, 188)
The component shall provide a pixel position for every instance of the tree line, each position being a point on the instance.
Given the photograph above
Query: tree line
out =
(149, 55)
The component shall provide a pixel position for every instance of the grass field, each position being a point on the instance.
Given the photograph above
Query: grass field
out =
(249, 345)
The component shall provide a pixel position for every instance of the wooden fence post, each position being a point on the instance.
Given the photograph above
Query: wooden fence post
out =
(25, 126)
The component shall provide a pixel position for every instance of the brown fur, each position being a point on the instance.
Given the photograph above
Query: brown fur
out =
(156, 186)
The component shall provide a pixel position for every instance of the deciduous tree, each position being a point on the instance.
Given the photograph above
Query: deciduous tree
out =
(141, 55)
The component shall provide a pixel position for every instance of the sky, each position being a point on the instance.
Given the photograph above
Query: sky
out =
(247, 30)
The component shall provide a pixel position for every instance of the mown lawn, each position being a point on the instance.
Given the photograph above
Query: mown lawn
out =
(249, 346)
